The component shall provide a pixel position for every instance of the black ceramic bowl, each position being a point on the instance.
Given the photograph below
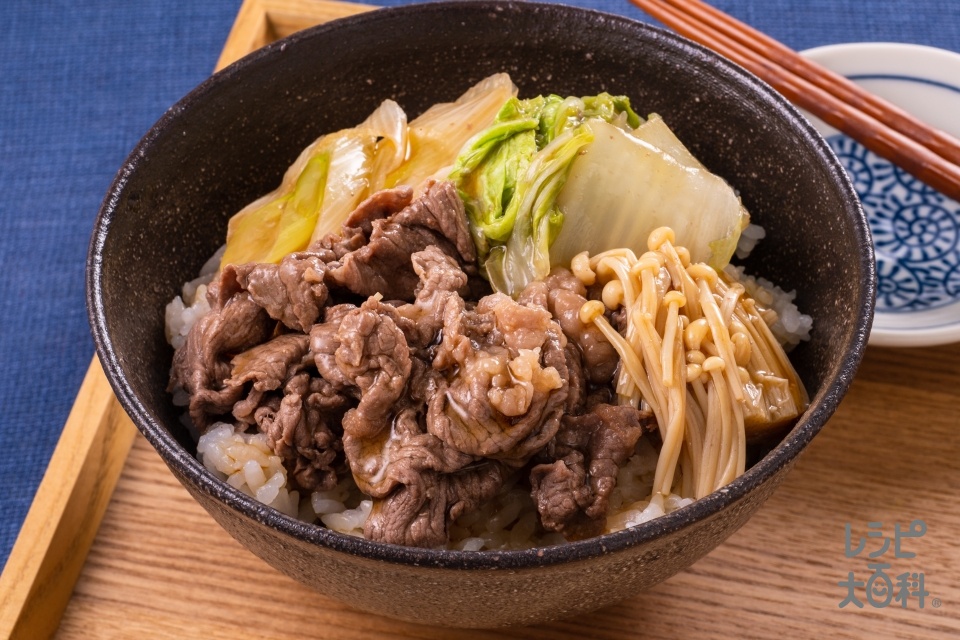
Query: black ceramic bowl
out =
(230, 140)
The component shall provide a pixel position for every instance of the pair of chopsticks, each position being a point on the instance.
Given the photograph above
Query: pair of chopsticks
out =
(928, 154)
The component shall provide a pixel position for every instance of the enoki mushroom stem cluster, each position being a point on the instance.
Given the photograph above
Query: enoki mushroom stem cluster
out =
(698, 352)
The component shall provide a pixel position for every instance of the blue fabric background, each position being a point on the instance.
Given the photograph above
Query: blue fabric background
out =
(82, 81)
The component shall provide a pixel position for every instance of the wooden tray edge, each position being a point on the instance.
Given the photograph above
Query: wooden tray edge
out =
(49, 553)
(260, 22)
(50, 550)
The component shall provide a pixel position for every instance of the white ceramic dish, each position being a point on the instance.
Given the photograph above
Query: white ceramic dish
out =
(916, 230)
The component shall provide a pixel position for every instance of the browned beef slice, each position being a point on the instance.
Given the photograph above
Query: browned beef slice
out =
(573, 490)
(266, 367)
(383, 264)
(202, 365)
(600, 359)
(333, 247)
(402, 450)
(418, 514)
(420, 321)
(562, 493)
(507, 379)
(302, 429)
(537, 293)
(563, 294)
(324, 344)
(440, 280)
(382, 204)
(441, 209)
(357, 227)
(374, 357)
(416, 479)
(268, 386)
(292, 291)
(421, 469)
(576, 380)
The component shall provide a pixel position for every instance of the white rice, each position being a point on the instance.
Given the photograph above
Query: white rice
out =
(749, 238)
(244, 461)
(630, 502)
(342, 508)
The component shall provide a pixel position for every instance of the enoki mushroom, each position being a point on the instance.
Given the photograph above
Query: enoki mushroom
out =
(696, 351)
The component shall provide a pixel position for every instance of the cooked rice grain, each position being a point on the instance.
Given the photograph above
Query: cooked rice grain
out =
(245, 462)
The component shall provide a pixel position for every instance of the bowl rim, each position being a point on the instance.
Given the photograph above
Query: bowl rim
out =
(822, 404)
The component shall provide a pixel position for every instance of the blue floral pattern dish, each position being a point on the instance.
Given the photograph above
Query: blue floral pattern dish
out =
(916, 230)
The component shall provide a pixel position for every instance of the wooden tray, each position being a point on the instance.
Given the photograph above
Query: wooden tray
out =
(160, 567)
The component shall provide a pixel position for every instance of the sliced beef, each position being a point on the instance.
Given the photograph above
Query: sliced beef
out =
(324, 343)
(303, 429)
(292, 291)
(563, 294)
(430, 440)
(419, 514)
(419, 482)
(271, 386)
(265, 368)
(383, 264)
(372, 356)
(572, 491)
(440, 209)
(440, 280)
(380, 205)
(577, 392)
(202, 364)
(507, 373)
(535, 294)
(600, 359)
(403, 449)
(538, 292)
(358, 226)
(419, 321)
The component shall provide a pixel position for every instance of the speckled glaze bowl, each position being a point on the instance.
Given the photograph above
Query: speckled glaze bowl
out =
(230, 140)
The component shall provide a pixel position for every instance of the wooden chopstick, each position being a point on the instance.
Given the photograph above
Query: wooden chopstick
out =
(874, 123)
(850, 92)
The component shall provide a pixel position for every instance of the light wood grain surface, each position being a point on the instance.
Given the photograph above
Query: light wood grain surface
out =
(160, 567)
